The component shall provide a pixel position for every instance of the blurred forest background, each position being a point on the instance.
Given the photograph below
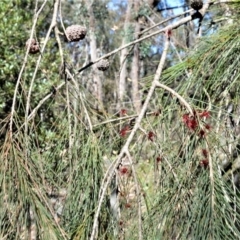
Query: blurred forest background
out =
(130, 131)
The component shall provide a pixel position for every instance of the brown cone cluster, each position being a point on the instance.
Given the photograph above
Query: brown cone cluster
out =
(196, 4)
(103, 65)
(34, 46)
(75, 33)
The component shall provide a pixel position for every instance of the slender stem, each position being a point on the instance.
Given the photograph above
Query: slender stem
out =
(140, 235)
(162, 22)
(170, 26)
(82, 100)
(110, 172)
(211, 177)
(182, 100)
(23, 67)
(53, 24)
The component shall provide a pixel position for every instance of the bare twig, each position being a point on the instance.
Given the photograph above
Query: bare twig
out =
(69, 121)
(174, 93)
(34, 111)
(56, 30)
(109, 174)
(60, 16)
(140, 236)
(81, 98)
(162, 22)
(53, 24)
(171, 26)
(37, 13)
(49, 95)
(121, 118)
(211, 177)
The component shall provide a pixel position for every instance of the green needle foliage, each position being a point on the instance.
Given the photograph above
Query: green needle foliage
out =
(196, 198)
(181, 180)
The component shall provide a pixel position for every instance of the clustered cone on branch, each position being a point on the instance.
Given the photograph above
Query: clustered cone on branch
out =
(75, 33)
(34, 46)
(103, 65)
(196, 4)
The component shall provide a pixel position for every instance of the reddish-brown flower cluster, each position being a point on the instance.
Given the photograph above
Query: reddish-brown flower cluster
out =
(159, 159)
(151, 136)
(127, 205)
(123, 170)
(205, 153)
(123, 112)
(204, 163)
(124, 131)
(207, 126)
(156, 113)
(168, 33)
(202, 133)
(204, 113)
(122, 194)
(192, 122)
(121, 223)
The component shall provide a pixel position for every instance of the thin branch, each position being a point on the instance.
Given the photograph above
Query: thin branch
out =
(186, 5)
(120, 118)
(162, 22)
(53, 24)
(34, 111)
(81, 98)
(60, 16)
(110, 172)
(69, 121)
(23, 67)
(56, 30)
(49, 95)
(223, 1)
(181, 99)
(211, 177)
(140, 235)
(171, 26)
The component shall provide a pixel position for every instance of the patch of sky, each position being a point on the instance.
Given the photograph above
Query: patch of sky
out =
(114, 4)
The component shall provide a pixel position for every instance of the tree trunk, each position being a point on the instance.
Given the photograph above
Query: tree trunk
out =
(123, 62)
(189, 28)
(135, 64)
(97, 84)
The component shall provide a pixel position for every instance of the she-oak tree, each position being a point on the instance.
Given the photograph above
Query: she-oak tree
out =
(147, 148)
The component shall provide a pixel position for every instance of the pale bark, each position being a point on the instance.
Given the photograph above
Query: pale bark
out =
(135, 64)
(228, 13)
(97, 84)
(123, 62)
(189, 28)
